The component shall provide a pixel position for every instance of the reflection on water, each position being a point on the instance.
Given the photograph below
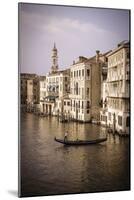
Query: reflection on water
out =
(48, 167)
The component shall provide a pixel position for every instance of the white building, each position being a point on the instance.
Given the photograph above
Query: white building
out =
(104, 90)
(30, 95)
(85, 88)
(79, 90)
(118, 85)
(33, 90)
(57, 87)
(42, 81)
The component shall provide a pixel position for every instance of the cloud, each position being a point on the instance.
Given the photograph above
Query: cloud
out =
(54, 25)
(74, 35)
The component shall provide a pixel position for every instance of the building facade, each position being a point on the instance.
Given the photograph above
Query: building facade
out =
(118, 86)
(23, 86)
(85, 89)
(29, 93)
(79, 90)
(57, 87)
(104, 90)
(92, 89)
(42, 82)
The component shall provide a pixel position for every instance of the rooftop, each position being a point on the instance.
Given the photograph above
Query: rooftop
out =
(121, 45)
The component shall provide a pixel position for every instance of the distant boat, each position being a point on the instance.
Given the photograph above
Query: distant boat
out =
(43, 114)
(80, 142)
(63, 119)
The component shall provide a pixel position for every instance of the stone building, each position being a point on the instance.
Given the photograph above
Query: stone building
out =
(33, 93)
(24, 77)
(85, 88)
(29, 90)
(104, 89)
(92, 89)
(57, 86)
(23, 90)
(118, 85)
(79, 90)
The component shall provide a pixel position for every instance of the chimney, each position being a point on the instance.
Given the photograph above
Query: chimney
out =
(97, 55)
(82, 58)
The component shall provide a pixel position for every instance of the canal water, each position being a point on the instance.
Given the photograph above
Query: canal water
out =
(49, 168)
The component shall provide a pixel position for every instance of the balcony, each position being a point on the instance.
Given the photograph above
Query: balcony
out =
(115, 78)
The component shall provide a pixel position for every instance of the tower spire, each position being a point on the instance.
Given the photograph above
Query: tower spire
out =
(54, 67)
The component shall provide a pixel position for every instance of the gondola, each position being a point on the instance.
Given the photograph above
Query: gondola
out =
(80, 142)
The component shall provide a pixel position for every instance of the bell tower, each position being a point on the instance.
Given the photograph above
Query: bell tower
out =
(54, 67)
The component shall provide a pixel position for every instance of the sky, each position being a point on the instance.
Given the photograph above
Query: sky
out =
(77, 31)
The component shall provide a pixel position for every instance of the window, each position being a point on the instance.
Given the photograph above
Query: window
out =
(87, 91)
(115, 68)
(82, 72)
(87, 111)
(127, 121)
(120, 120)
(79, 105)
(68, 103)
(115, 84)
(77, 88)
(105, 118)
(128, 55)
(82, 105)
(66, 87)
(109, 116)
(64, 103)
(79, 91)
(88, 104)
(79, 73)
(88, 72)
